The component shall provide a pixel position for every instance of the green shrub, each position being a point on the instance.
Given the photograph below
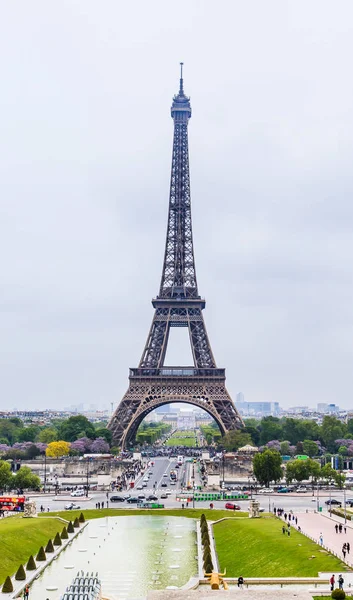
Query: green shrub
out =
(64, 534)
(7, 587)
(31, 565)
(205, 539)
(76, 523)
(70, 528)
(208, 566)
(338, 594)
(57, 540)
(49, 547)
(21, 574)
(81, 518)
(41, 555)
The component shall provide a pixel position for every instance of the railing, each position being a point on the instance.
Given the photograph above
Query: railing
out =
(177, 372)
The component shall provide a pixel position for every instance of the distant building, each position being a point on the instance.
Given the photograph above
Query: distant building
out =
(325, 408)
(258, 409)
(239, 397)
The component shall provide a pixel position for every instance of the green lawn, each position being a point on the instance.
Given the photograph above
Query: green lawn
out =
(19, 538)
(258, 548)
(183, 438)
(192, 513)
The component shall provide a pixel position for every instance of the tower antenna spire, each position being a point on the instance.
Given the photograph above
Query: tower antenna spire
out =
(181, 90)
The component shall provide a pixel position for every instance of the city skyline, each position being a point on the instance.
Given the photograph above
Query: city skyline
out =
(85, 163)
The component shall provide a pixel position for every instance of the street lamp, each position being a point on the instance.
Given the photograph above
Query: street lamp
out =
(45, 470)
(317, 498)
(345, 505)
(87, 474)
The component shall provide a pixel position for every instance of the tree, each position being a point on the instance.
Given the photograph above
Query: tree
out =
(285, 450)
(47, 435)
(28, 434)
(328, 473)
(6, 476)
(105, 433)
(271, 429)
(26, 479)
(331, 430)
(75, 427)
(310, 448)
(343, 450)
(235, 439)
(267, 466)
(56, 449)
(100, 446)
(296, 470)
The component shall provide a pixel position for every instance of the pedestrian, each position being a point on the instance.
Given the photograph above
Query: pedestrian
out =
(103, 504)
(332, 582)
(336, 527)
(340, 582)
(240, 582)
(283, 529)
(285, 516)
(26, 592)
(296, 520)
(48, 509)
(345, 529)
(321, 540)
(289, 516)
(344, 553)
(288, 531)
(340, 528)
(274, 510)
(99, 504)
(348, 546)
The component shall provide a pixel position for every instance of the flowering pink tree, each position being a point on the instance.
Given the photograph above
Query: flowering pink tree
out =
(100, 446)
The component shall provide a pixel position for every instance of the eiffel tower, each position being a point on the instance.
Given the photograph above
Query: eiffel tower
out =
(178, 304)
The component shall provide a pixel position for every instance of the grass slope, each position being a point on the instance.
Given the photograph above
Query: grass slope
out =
(258, 548)
(123, 512)
(19, 538)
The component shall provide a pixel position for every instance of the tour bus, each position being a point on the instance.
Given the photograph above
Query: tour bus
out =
(15, 503)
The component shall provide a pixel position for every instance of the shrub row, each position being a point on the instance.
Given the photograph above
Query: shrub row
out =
(41, 556)
(205, 539)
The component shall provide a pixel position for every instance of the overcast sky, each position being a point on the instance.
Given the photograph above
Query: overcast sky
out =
(85, 153)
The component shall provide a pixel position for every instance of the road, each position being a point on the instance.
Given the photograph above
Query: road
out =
(162, 465)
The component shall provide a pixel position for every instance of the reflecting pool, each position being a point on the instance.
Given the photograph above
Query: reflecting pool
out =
(131, 555)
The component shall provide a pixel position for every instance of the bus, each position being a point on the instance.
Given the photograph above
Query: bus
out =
(14, 503)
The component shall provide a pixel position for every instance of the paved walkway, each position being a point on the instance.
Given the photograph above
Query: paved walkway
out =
(315, 525)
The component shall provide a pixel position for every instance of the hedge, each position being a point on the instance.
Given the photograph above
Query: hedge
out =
(49, 547)
(21, 574)
(41, 555)
(7, 587)
(31, 565)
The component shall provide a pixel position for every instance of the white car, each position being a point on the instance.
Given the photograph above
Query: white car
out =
(72, 506)
(165, 474)
(78, 493)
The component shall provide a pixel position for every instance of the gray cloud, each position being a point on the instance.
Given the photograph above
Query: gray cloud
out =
(85, 156)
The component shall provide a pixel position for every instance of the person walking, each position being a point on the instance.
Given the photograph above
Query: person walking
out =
(26, 592)
(340, 582)
(345, 529)
(348, 546)
(321, 540)
(336, 527)
(240, 582)
(340, 528)
(344, 552)
(102, 504)
(332, 582)
(283, 529)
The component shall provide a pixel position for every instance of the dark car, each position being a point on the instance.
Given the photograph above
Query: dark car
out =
(164, 484)
(117, 499)
(232, 506)
(164, 496)
(152, 497)
(333, 502)
(133, 500)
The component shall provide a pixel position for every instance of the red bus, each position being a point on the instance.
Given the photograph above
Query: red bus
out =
(15, 503)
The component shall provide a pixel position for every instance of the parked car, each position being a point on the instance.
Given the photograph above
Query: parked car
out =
(77, 493)
(153, 497)
(301, 489)
(133, 500)
(117, 499)
(232, 506)
(72, 506)
(333, 502)
(127, 496)
(349, 501)
(283, 490)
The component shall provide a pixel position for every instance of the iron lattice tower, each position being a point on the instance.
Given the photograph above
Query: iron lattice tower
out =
(178, 304)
